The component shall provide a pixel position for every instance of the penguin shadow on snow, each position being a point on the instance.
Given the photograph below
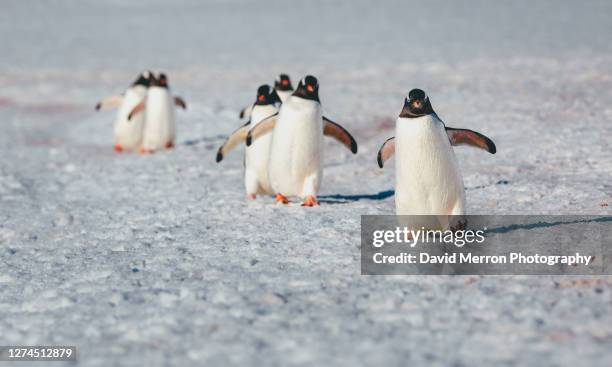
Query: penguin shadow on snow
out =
(382, 195)
(541, 224)
(345, 199)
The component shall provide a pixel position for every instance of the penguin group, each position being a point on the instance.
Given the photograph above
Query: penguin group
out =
(284, 141)
(145, 119)
(284, 146)
(284, 150)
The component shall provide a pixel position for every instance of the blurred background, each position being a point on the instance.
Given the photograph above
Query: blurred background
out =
(123, 34)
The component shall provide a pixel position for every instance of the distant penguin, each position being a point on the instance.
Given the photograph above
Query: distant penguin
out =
(160, 123)
(428, 180)
(128, 134)
(295, 167)
(282, 87)
(255, 156)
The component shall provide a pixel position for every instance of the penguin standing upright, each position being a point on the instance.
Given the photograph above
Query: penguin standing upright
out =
(283, 89)
(255, 156)
(428, 180)
(128, 133)
(295, 167)
(160, 125)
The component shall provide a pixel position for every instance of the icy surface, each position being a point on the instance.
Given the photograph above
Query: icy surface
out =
(160, 260)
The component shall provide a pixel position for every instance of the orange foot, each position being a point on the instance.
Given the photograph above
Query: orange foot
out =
(310, 201)
(281, 199)
(169, 145)
(118, 148)
(252, 196)
(144, 151)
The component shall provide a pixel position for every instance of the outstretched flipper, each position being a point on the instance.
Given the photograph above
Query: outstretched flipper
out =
(139, 107)
(234, 139)
(180, 102)
(386, 151)
(469, 137)
(108, 102)
(246, 112)
(339, 133)
(261, 128)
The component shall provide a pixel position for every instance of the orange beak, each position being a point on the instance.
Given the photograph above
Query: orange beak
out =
(261, 98)
(285, 82)
(310, 88)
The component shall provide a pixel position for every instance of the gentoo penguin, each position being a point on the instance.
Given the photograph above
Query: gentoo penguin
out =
(255, 156)
(160, 123)
(282, 87)
(428, 180)
(128, 134)
(295, 167)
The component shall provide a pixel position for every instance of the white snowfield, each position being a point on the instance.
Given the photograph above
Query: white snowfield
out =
(160, 260)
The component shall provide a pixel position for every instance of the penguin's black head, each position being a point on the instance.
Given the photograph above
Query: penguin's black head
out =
(308, 88)
(283, 83)
(152, 80)
(143, 79)
(266, 96)
(416, 104)
(162, 81)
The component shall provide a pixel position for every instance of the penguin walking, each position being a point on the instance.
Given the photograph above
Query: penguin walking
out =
(255, 156)
(128, 133)
(283, 89)
(295, 166)
(428, 180)
(160, 123)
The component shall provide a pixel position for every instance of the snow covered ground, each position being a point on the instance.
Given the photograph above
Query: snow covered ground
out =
(160, 260)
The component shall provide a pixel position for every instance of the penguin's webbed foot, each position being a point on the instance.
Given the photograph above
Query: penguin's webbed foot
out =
(118, 148)
(252, 196)
(144, 151)
(310, 201)
(282, 199)
(169, 145)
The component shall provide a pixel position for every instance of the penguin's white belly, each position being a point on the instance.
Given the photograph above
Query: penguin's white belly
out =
(128, 133)
(256, 156)
(160, 124)
(295, 166)
(428, 180)
(284, 94)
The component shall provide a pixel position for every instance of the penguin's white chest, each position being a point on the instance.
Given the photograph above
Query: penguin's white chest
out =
(284, 94)
(128, 133)
(160, 123)
(428, 180)
(295, 165)
(257, 155)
